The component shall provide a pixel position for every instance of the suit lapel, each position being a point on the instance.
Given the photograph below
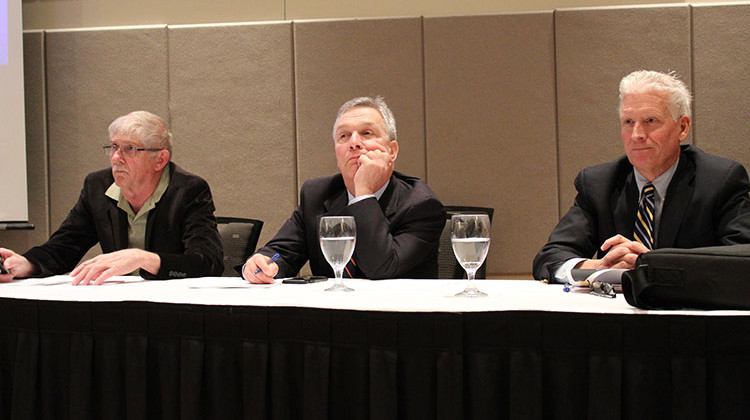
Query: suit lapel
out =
(679, 195)
(625, 205)
(336, 203)
(389, 200)
(152, 215)
(119, 226)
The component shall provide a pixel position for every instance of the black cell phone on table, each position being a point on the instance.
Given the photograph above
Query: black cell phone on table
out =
(3, 270)
(304, 280)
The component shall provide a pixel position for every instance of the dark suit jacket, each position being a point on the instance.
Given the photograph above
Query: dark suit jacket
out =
(707, 204)
(397, 236)
(181, 229)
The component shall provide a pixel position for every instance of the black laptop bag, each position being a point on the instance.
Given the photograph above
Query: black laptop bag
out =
(701, 278)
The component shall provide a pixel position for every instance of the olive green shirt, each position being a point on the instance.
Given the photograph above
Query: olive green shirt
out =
(137, 222)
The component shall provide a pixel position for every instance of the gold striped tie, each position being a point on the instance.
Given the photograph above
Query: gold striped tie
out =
(644, 221)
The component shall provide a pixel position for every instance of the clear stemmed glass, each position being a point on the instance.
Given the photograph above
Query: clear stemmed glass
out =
(470, 236)
(338, 235)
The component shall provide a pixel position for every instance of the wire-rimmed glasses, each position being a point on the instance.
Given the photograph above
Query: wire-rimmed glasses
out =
(127, 150)
(602, 289)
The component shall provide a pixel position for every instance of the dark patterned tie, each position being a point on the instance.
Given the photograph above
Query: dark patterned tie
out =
(351, 271)
(644, 220)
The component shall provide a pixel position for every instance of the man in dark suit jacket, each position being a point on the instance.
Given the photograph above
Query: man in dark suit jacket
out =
(146, 213)
(399, 219)
(700, 199)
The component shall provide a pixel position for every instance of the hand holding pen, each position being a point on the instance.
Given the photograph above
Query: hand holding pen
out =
(261, 269)
(273, 259)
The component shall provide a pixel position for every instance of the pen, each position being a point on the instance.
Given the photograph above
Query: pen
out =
(274, 258)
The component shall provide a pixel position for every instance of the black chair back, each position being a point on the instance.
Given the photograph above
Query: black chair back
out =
(448, 266)
(239, 237)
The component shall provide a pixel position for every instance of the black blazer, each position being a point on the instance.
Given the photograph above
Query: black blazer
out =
(707, 204)
(181, 229)
(397, 236)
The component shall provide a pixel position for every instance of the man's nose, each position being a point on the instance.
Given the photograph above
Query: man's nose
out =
(638, 132)
(355, 142)
(116, 155)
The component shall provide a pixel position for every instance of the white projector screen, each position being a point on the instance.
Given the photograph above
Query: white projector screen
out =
(13, 191)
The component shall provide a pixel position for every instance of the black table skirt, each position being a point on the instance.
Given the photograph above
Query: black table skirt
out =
(135, 360)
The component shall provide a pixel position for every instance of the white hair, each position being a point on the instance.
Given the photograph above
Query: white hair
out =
(377, 103)
(149, 128)
(678, 95)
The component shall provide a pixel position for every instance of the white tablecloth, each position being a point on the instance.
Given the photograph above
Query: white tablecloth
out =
(403, 295)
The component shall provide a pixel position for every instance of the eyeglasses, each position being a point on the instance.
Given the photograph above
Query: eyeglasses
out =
(128, 150)
(603, 289)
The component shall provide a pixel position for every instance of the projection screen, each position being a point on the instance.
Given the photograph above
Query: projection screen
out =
(13, 190)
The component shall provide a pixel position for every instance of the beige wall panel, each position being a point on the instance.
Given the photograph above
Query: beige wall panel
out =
(339, 60)
(36, 147)
(92, 78)
(721, 59)
(490, 105)
(305, 9)
(595, 49)
(54, 14)
(231, 97)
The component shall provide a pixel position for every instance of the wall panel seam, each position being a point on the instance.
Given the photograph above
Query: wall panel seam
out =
(424, 107)
(557, 116)
(45, 138)
(691, 20)
(295, 136)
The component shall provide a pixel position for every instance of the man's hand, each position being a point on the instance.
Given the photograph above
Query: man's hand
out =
(375, 168)
(267, 270)
(17, 265)
(622, 254)
(98, 269)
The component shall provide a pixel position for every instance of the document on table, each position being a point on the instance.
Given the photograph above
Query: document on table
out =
(66, 279)
(228, 283)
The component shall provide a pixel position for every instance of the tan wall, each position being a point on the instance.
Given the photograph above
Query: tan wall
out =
(56, 14)
(496, 110)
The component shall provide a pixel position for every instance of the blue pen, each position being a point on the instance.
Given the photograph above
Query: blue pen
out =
(274, 258)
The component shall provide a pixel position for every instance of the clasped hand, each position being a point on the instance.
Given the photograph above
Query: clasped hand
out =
(622, 254)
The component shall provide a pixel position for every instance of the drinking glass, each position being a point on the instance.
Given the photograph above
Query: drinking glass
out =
(338, 235)
(470, 237)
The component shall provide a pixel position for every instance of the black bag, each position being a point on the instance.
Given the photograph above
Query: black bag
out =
(702, 278)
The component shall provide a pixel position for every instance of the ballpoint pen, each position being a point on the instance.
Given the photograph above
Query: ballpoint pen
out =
(274, 258)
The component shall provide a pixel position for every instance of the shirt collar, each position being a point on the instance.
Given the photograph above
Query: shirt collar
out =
(661, 183)
(114, 192)
(377, 194)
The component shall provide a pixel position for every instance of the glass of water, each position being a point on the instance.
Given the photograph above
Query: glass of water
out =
(338, 235)
(470, 237)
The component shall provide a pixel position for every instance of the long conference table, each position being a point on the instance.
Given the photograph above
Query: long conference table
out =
(219, 348)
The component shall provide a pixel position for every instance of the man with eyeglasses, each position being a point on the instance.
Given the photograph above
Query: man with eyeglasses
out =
(148, 215)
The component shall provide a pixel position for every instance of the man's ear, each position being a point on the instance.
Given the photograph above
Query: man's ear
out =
(394, 150)
(162, 159)
(684, 122)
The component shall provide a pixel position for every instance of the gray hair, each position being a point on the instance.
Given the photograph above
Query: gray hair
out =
(377, 103)
(678, 95)
(149, 128)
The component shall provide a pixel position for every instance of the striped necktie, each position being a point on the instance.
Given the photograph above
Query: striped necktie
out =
(351, 271)
(644, 220)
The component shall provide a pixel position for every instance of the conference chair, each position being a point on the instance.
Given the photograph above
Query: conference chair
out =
(448, 266)
(239, 236)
